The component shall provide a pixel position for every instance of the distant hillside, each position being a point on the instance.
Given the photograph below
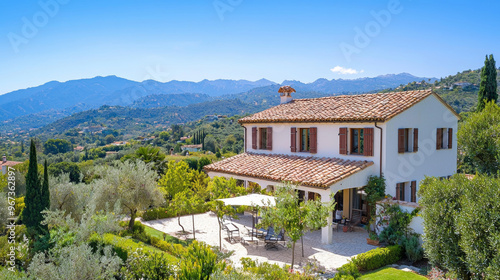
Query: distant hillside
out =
(111, 90)
(459, 90)
(164, 100)
(132, 122)
(60, 96)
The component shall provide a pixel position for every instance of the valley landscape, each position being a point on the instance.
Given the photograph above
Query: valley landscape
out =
(248, 140)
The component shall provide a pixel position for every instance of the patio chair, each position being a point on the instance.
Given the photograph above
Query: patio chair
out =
(272, 239)
(249, 237)
(355, 219)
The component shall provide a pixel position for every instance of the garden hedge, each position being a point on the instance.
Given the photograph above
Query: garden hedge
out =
(378, 258)
(121, 246)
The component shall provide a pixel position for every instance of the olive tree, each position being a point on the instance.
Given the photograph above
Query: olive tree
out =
(462, 225)
(295, 217)
(479, 141)
(68, 196)
(75, 262)
(220, 187)
(131, 184)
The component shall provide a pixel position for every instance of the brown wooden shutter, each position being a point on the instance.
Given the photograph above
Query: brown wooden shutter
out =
(398, 191)
(368, 143)
(254, 138)
(313, 138)
(439, 139)
(343, 140)
(293, 139)
(450, 138)
(401, 140)
(269, 138)
(415, 140)
(413, 191)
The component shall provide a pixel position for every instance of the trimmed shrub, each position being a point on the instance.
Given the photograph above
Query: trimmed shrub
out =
(199, 262)
(142, 265)
(377, 258)
(158, 213)
(121, 246)
(268, 271)
(176, 250)
(413, 250)
(347, 271)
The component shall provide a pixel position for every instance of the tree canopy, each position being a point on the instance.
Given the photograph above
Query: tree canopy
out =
(131, 184)
(462, 225)
(488, 85)
(479, 141)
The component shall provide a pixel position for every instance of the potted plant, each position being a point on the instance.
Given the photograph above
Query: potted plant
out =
(373, 239)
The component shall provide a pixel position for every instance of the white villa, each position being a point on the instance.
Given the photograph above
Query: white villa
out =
(331, 144)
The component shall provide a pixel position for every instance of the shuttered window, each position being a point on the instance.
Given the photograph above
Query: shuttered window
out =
(450, 138)
(413, 191)
(270, 138)
(407, 140)
(313, 137)
(415, 140)
(444, 138)
(401, 140)
(254, 138)
(439, 139)
(293, 139)
(400, 191)
(368, 149)
(343, 141)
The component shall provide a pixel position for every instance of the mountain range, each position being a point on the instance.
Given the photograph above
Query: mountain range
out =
(60, 98)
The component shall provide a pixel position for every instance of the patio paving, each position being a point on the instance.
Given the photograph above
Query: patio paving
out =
(331, 256)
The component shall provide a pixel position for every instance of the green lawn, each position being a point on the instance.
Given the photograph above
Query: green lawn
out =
(389, 273)
(158, 234)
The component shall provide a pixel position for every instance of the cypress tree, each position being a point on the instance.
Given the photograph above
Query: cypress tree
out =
(488, 85)
(45, 196)
(203, 140)
(31, 215)
(492, 94)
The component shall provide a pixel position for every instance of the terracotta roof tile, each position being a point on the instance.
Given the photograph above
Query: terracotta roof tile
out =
(10, 163)
(342, 108)
(310, 171)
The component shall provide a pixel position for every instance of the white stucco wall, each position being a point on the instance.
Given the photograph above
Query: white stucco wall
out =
(328, 139)
(427, 116)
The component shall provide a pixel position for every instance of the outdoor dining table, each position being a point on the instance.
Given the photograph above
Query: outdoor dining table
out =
(232, 229)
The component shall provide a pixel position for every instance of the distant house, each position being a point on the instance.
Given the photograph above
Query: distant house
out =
(332, 145)
(462, 84)
(191, 148)
(78, 148)
(212, 118)
(5, 164)
(184, 138)
(111, 153)
(119, 143)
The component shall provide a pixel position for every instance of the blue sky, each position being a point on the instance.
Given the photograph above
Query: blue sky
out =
(47, 40)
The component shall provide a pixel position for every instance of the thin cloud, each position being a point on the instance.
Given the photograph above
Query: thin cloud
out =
(345, 71)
